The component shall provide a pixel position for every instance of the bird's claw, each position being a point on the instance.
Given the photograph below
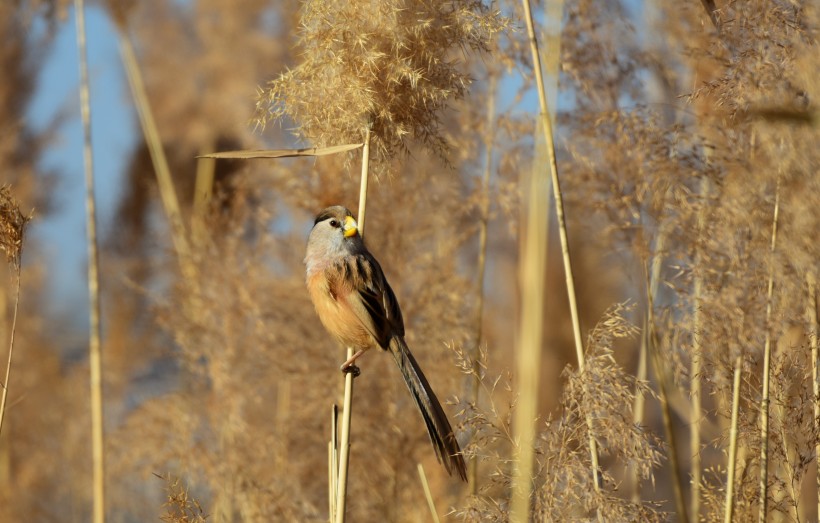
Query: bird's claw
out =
(352, 369)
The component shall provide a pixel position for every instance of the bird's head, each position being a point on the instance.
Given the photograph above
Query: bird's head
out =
(335, 233)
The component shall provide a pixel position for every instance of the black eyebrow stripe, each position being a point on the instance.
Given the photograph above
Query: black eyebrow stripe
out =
(330, 212)
(323, 216)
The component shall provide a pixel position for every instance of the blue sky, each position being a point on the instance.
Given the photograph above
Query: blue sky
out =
(61, 235)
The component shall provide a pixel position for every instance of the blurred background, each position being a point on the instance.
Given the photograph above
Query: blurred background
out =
(678, 129)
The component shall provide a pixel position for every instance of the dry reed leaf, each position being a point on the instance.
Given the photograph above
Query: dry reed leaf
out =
(284, 153)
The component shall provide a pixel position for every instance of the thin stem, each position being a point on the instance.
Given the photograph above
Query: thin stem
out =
(428, 495)
(638, 408)
(695, 362)
(533, 268)
(812, 315)
(5, 385)
(333, 463)
(94, 352)
(165, 182)
(729, 506)
(344, 458)
(364, 179)
(562, 229)
(786, 467)
(638, 405)
(666, 413)
(472, 472)
(767, 357)
(203, 192)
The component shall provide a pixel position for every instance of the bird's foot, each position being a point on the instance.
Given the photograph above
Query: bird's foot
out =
(351, 369)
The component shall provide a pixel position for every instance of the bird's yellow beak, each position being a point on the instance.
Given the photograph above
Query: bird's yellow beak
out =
(350, 227)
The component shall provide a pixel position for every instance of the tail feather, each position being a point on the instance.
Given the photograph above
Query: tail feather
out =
(441, 434)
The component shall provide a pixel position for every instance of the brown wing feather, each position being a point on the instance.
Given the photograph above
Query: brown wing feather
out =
(372, 299)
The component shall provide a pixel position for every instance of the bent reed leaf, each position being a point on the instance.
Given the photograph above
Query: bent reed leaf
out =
(283, 153)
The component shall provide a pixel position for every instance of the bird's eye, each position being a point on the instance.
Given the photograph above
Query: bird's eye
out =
(334, 223)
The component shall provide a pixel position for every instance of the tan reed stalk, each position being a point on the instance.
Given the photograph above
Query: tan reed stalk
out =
(333, 463)
(767, 358)
(729, 506)
(167, 192)
(203, 191)
(330, 490)
(344, 458)
(5, 384)
(638, 405)
(472, 472)
(786, 467)
(812, 315)
(638, 408)
(695, 362)
(666, 414)
(94, 351)
(533, 266)
(562, 227)
(428, 495)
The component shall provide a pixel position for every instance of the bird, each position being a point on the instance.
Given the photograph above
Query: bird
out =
(358, 308)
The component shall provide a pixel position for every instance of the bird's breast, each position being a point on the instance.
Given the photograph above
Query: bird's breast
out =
(330, 300)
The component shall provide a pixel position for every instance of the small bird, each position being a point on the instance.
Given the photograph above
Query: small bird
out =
(358, 308)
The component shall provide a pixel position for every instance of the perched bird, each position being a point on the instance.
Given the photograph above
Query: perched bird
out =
(358, 308)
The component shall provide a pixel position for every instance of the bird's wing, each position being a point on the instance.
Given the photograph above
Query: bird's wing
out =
(372, 300)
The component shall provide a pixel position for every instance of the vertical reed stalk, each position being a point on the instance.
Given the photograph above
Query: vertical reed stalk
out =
(344, 458)
(695, 362)
(533, 268)
(562, 228)
(638, 408)
(5, 384)
(203, 191)
(812, 316)
(428, 495)
(333, 464)
(170, 203)
(767, 357)
(638, 405)
(666, 414)
(729, 505)
(695, 405)
(94, 352)
(472, 472)
(786, 468)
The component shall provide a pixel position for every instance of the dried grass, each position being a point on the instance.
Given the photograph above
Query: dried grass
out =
(660, 105)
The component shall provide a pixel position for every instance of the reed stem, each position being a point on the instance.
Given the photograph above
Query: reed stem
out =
(344, 447)
(696, 362)
(813, 315)
(94, 351)
(562, 229)
(167, 192)
(428, 495)
(767, 357)
(472, 472)
(5, 384)
(729, 506)
(666, 413)
(532, 276)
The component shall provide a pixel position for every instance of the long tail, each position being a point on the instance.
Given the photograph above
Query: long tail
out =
(441, 434)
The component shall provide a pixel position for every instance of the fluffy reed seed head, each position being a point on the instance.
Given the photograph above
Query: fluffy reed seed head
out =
(389, 65)
(12, 226)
